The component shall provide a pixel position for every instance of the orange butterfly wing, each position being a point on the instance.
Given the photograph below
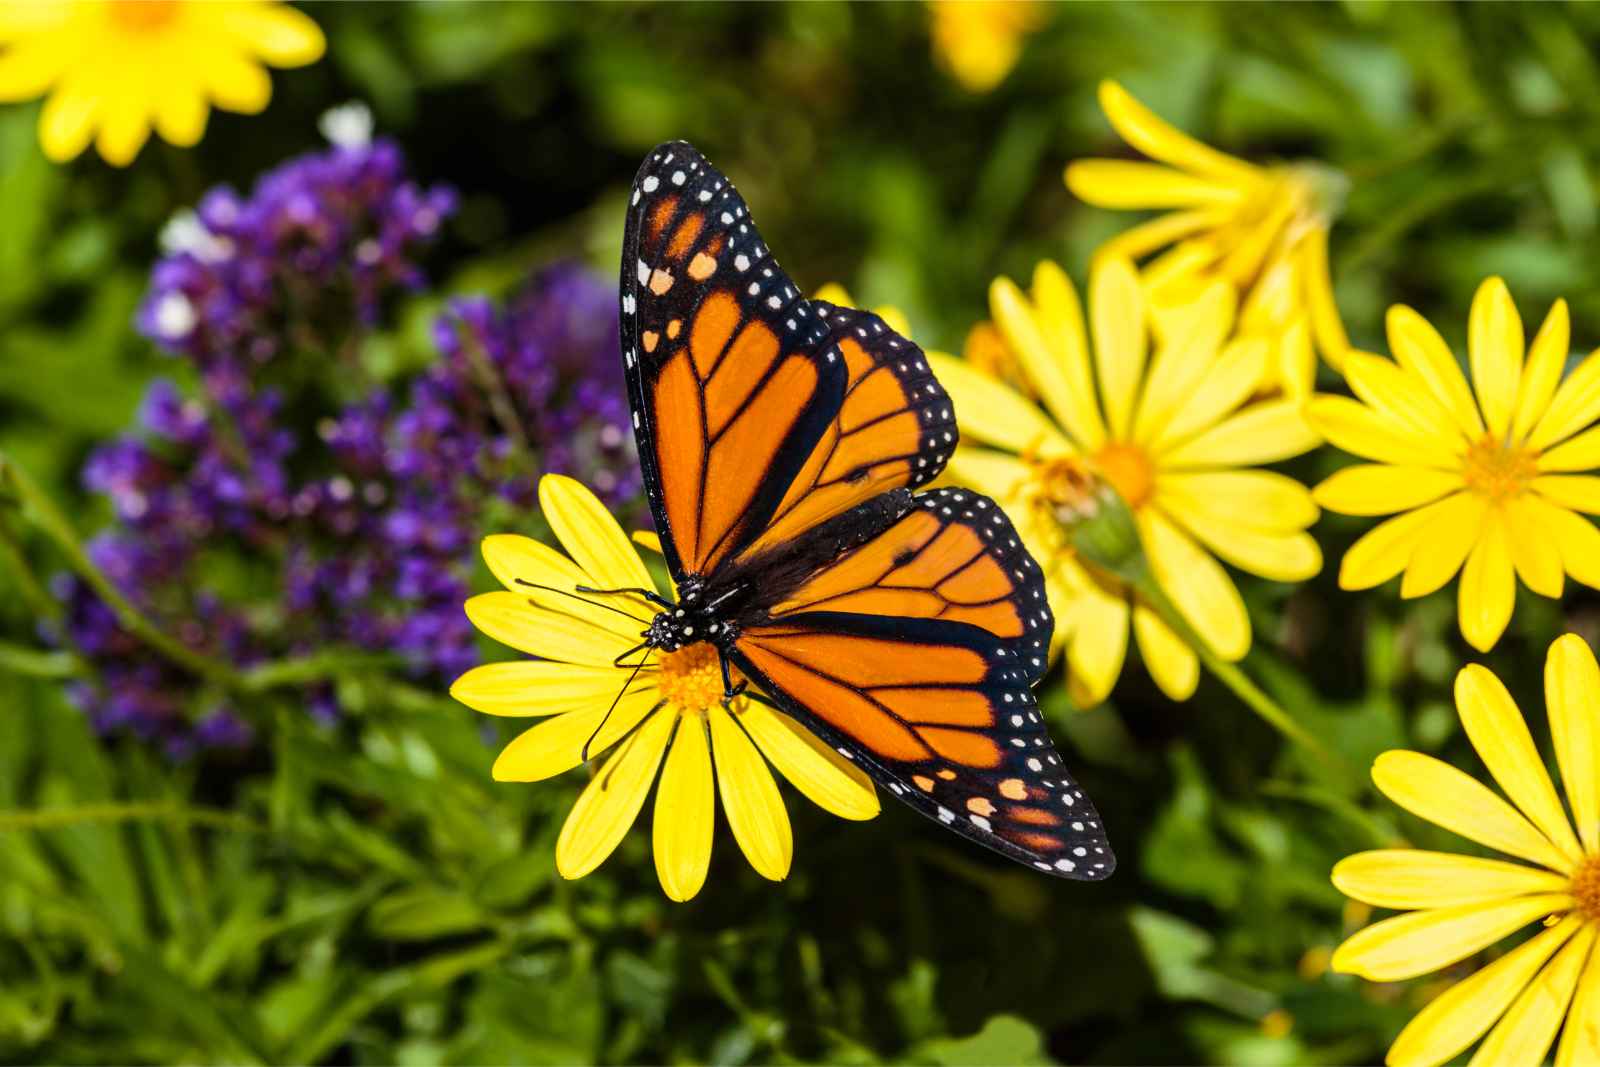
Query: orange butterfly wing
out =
(759, 414)
(915, 653)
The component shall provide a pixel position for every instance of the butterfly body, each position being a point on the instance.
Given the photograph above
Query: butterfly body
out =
(781, 440)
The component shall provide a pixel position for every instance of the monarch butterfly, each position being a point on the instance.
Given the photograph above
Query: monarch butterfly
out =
(780, 439)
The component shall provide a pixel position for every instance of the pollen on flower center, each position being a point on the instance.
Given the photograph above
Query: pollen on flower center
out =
(691, 678)
(1063, 486)
(1498, 470)
(144, 15)
(1586, 888)
(1129, 471)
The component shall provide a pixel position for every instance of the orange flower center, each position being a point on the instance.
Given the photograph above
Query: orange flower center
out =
(1586, 888)
(142, 16)
(691, 678)
(1129, 471)
(1498, 470)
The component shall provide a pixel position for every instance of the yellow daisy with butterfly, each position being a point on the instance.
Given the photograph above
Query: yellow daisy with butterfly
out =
(648, 721)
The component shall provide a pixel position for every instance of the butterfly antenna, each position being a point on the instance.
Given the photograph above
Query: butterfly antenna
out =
(649, 594)
(615, 701)
(575, 596)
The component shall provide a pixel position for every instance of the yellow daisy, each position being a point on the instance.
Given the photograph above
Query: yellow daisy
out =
(1173, 434)
(670, 718)
(979, 41)
(114, 69)
(1493, 481)
(1263, 230)
(1458, 905)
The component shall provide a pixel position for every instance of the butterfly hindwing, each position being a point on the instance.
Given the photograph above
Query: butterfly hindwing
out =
(915, 654)
(759, 413)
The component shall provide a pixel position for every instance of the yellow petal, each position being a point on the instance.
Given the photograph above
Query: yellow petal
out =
(1580, 1039)
(1117, 322)
(1097, 645)
(535, 571)
(1535, 557)
(1383, 551)
(1326, 326)
(1456, 525)
(1260, 433)
(124, 127)
(1381, 489)
(1461, 1014)
(536, 687)
(68, 119)
(1362, 431)
(277, 33)
(511, 620)
(1278, 557)
(557, 745)
(1228, 381)
(1409, 878)
(29, 68)
(1577, 539)
(1199, 587)
(1488, 587)
(1575, 405)
(750, 798)
(1136, 242)
(648, 539)
(1190, 337)
(591, 535)
(993, 412)
(1497, 730)
(1495, 345)
(1580, 453)
(1433, 790)
(1418, 348)
(1260, 500)
(999, 474)
(1572, 693)
(235, 82)
(611, 801)
(180, 113)
(686, 808)
(1158, 139)
(1547, 358)
(1171, 662)
(1048, 339)
(1422, 941)
(827, 779)
(1580, 492)
(1526, 1032)
(1121, 183)
(1402, 400)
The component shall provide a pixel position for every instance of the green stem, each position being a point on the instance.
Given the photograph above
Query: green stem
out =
(55, 526)
(317, 667)
(1229, 674)
(37, 663)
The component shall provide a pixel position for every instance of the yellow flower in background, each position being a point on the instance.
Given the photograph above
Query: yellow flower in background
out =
(1488, 484)
(1263, 230)
(113, 69)
(979, 41)
(1458, 905)
(892, 317)
(1171, 431)
(670, 718)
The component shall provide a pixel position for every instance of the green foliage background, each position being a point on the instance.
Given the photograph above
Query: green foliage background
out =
(367, 894)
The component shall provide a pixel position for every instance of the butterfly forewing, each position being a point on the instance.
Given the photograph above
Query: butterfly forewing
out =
(785, 412)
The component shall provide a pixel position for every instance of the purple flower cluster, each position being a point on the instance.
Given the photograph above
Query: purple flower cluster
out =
(328, 527)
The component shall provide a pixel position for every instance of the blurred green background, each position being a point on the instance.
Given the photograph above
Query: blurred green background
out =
(367, 894)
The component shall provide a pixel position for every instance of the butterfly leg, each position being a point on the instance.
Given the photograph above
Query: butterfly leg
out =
(649, 594)
(729, 690)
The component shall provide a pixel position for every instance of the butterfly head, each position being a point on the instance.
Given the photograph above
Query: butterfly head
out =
(691, 620)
